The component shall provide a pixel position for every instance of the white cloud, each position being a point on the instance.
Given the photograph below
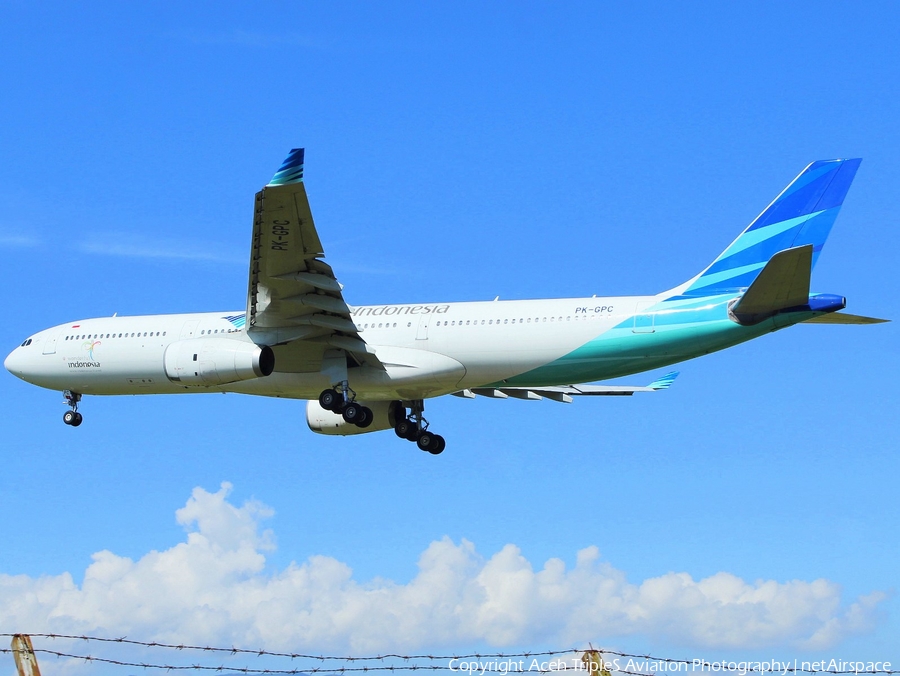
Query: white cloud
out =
(10, 240)
(134, 247)
(214, 588)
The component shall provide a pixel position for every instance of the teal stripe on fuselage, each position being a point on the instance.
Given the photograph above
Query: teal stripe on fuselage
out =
(682, 329)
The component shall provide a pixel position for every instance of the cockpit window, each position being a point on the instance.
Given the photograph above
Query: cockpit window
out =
(26, 343)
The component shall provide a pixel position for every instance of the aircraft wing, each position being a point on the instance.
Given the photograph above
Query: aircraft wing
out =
(294, 299)
(564, 393)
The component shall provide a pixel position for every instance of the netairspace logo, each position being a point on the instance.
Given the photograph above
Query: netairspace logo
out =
(651, 666)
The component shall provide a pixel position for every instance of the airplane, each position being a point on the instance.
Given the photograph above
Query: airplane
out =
(370, 368)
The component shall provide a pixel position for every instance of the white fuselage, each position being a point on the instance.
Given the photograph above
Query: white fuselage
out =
(427, 350)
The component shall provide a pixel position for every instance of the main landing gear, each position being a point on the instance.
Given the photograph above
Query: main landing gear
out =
(411, 426)
(414, 427)
(343, 402)
(72, 417)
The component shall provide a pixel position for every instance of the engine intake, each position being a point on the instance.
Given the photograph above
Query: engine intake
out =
(217, 361)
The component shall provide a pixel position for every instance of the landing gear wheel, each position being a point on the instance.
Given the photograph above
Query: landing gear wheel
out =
(403, 428)
(330, 400)
(353, 413)
(78, 419)
(439, 447)
(366, 418)
(429, 442)
(69, 417)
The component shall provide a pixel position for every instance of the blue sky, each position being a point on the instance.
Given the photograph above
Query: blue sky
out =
(459, 151)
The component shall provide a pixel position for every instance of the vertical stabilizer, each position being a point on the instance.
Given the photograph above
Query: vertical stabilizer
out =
(801, 215)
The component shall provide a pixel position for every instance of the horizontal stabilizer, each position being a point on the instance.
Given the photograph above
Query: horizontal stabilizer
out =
(564, 393)
(783, 283)
(844, 318)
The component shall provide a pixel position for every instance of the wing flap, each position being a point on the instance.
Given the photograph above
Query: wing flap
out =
(564, 393)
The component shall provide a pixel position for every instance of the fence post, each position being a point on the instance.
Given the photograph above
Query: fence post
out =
(23, 652)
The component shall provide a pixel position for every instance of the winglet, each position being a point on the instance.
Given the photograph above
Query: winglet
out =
(665, 382)
(291, 170)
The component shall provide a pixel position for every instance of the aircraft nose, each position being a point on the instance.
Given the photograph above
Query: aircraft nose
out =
(13, 362)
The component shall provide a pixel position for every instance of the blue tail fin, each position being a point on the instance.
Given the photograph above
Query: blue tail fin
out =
(802, 214)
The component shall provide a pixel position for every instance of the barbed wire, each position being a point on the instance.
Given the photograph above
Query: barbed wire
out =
(269, 653)
(250, 670)
(728, 667)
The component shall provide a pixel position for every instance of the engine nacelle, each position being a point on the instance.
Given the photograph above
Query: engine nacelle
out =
(386, 414)
(216, 361)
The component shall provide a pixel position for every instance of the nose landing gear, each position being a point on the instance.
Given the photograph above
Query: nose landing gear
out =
(72, 417)
(414, 427)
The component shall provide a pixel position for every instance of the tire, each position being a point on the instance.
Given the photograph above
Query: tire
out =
(401, 429)
(69, 417)
(439, 447)
(78, 419)
(353, 413)
(330, 400)
(427, 441)
(366, 419)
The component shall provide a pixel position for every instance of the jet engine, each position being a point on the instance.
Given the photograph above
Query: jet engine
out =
(216, 361)
(385, 416)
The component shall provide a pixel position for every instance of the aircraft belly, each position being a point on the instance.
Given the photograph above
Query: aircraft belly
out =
(408, 373)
